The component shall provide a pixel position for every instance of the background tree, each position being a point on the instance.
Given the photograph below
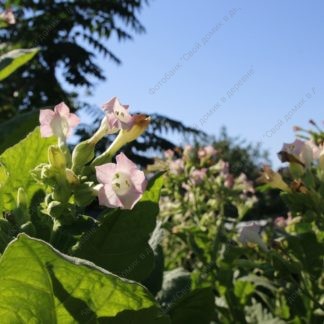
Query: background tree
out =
(70, 35)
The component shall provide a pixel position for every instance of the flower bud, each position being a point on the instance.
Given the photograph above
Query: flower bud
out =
(21, 198)
(71, 177)
(273, 179)
(82, 154)
(21, 212)
(56, 158)
(296, 170)
(138, 126)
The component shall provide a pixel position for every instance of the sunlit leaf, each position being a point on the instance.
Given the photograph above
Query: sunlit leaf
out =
(11, 61)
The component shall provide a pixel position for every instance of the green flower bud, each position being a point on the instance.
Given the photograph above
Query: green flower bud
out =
(82, 154)
(21, 198)
(139, 126)
(71, 177)
(21, 213)
(273, 179)
(56, 158)
(296, 170)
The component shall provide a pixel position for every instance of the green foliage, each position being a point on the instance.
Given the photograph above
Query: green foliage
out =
(120, 243)
(18, 161)
(117, 241)
(176, 284)
(269, 273)
(195, 307)
(68, 38)
(17, 128)
(54, 288)
(14, 59)
(69, 35)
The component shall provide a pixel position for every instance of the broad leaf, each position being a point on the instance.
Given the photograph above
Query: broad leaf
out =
(39, 284)
(176, 284)
(17, 128)
(155, 279)
(18, 161)
(11, 61)
(195, 307)
(120, 244)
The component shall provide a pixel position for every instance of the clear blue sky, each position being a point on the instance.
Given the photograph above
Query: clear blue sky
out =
(207, 48)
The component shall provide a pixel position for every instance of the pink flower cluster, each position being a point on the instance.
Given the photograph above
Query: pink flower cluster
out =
(122, 184)
(207, 152)
(198, 165)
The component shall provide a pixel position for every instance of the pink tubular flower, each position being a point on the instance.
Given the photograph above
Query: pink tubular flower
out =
(169, 154)
(8, 17)
(188, 151)
(176, 166)
(117, 115)
(207, 152)
(197, 176)
(123, 184)
(229, 181)
(59, 122)
(222, 167)
(298, 151)
(280, 221)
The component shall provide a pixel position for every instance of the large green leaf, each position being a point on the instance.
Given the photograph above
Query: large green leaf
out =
(12, 60)
(15, 129)
(120, 244)
(18, 161)
(195, 307)
(176, 284)
(41, 285)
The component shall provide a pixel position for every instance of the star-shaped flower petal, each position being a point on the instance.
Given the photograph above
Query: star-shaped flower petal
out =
(59, 122)
(117, 114)
(123, 184)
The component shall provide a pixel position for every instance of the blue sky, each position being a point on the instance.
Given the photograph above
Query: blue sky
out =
(254, 66)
